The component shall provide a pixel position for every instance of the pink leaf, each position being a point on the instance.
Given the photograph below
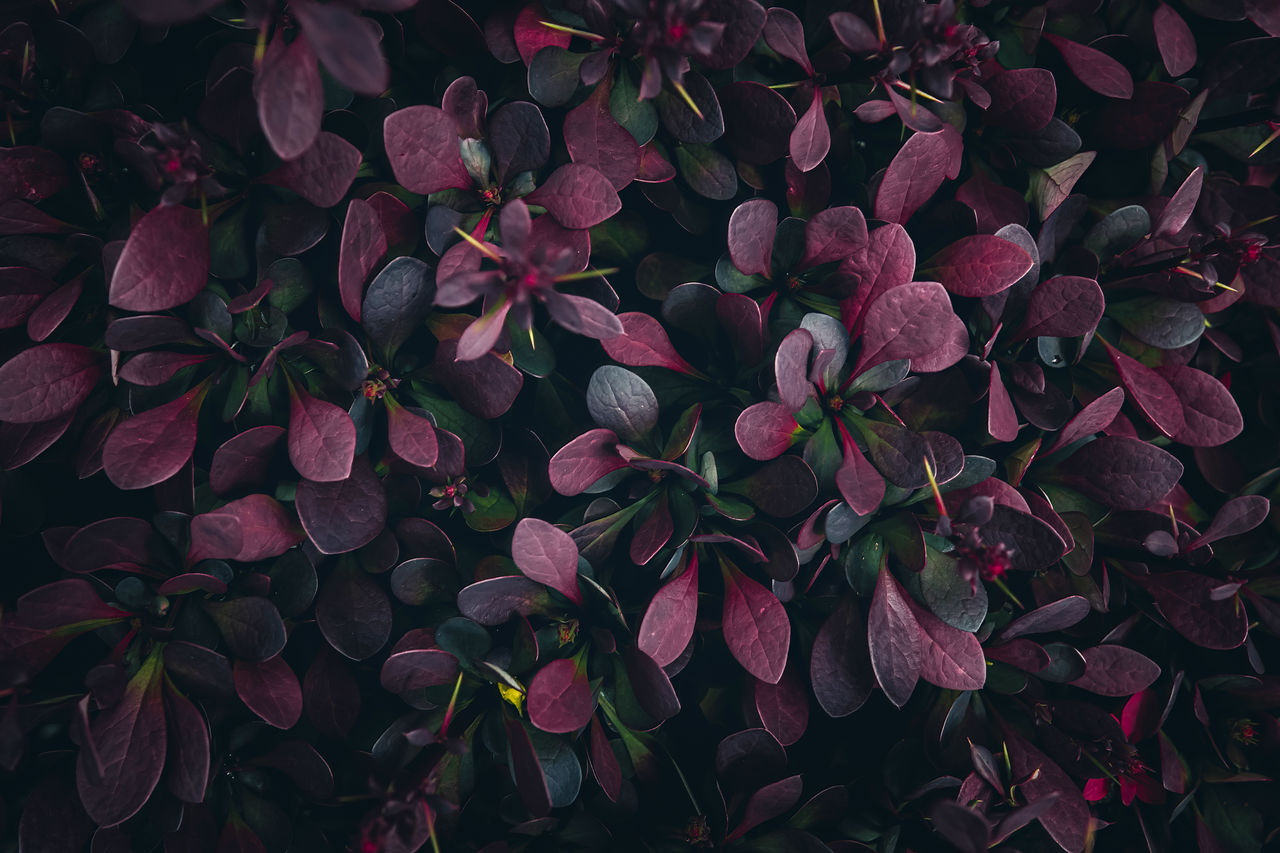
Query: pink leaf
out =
(47, 382)
(165, 262)
(669, 620)
(594, 138)
(1112, 670)
(980, 265)
(811, 138)
(783, 707)
(1174, 39)
(917, 171)
(410, 436)
(1065, 306)
(766, 430)
(1150, 391)
(560, 698)
(548, 555)
(322, 437)
(323, 173)
(584, 460)
(644, 343)
(893, 636)
(363, 245)
(290, 96)
(751, 233)
(270, 689)
(949, 658)
(756, 628)
(422, 146)
(151, 447)
(1094, 68)
(577, 196)
(1002, 419)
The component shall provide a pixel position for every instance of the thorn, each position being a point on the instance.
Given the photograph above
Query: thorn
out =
(1272, 138)
(573, 31)
(483, 248)
(578, 276)
(684, 93)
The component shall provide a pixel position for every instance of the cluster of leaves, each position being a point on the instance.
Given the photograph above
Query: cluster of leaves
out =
(639, 425)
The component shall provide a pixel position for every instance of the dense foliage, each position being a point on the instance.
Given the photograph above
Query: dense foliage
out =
(639, 425)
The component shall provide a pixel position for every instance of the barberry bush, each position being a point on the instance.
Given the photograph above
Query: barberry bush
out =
(639, 425)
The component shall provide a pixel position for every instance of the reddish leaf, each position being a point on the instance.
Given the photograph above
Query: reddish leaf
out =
(980, 265)
(363, 244)
(905, 322)
(644, 343)
(531, 35)
(290, 96)
(267, 529)
(791, 369)
(1023, 100)
(811, 138)
(1094, 68)
(560, 698)
(271, 690)
(1089, 420)
(46, 319)
(1068, 820)
(1174, 39)
(767, 803)
(1181, 205)
(784, 33)
(1151, 392)
(949, 658)
(577, 196)
(994, 205)
(410, 436)
(888, 261)
(756, 628)
(241, 462)
(347, 44)
(165, 262)
(917, 171)
(422, 146)
(783, 707)
(21, 290)
(151, 447)
(130, 740)
(1210, 414)
(894, 640)
(1123, 472)
(1055, 616)
(751, 233)
(860, 484)
(1112, 670)
(833, 234)
(669, 620)
(323, 173)
(531, 782)
(322, 437)
(604, 764)
(60, 605)
(344, 515)
(840, 667)
(188, 760)
(1238, 515)
(548, 555)
(1065, 306)
(766, 430)
(594, 138)
(354, 613)
(1184, 598)
(584, 460)
(1002, 419)
(416, 669)
(331, 695)
(46, 382)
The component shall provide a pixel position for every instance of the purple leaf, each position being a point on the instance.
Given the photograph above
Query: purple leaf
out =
(548, 555)
(130, 738)
(347, 44)
(757, 122)
(520, 139)
(888, 261)
(644, 343)
(493, 601)
(1023, 100)
(151, 447)
(766, 430)
(1174, 40)
(860, 484)
(840, 667)
(669, 620)
(980, 265)
(397, 302)
(577, 196)
(411, 437)
(756, 628)
(894, 640)
(1185, 599)
(1124, 473)
(791, 369)
(1055, 616)
(1094, 68)
(905, 322)
(271, 690)
(416, 669)
(364, 242)
(1065, 306)
(250, 625)
(165, 262)
(811, 138)
(1112, 670)
(604, 764)
(767, 803)
(1151, 392)
(422, 146)
(290, 96)
(783, 707)
(346, 514)
(46, 382)
(1210, 414)
(1091, 419)
(917, 171)
(560, 698)
(353, 612)
(833, 234)
(1181, 205)
(241, 462)
(65, 603)
(267, 530)
(322, 437)
(323, 173)
(751, 233)
(1002, 419)
(784, 33)
(949, 658)
(531, 782)
(188, 760)
(594, 138)
(1238, 515)
(21, 290)
(583, 461)
(1067, 821)
(654, 692)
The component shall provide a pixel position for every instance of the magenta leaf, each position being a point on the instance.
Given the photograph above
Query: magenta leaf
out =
(188, 759)
(416, 669)
(364, 242)
(669, 621)
(833, 234)
(784, 33)
(46, 382)
(165, 262)
(347, 44)
(1185, 599)
(894, 640)
(905, 322)
(422, 145)
(560, 698)
(949, 658)
(917, 171)
(66, 606)
(267, 530)
(130, 740)
(1002, 418)
(1174, 40)
(751, 233)
(1055, 616)
(1210, 414)
(1065, 306)
(1091, 419)
(811, 137)
(644, 343)
(756, 628)
(21, 291)
(322, 438)
(290, 96)
(1238, 515)
(1112, 670)
(577, 196)
(1181, 205)
(1023, 100)
(1151, 392)
(151, 447)
(860, 484)
(791, 369)
(1094, 68)
(548, 555)
(343, 515)
(494, 601)
(353, 612)
(241, 462)
(980, 265)
(767, 803)
(594, 138)
(1123, 472)
(783, 707)
(1067, 821)
(583, 461)
(270, 689)
(410, 436)
(887, 261)
(323, 173)
(604, 764)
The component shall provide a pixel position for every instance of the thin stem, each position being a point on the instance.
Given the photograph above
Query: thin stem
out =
(578, 276)
(684, 93)
(573, 31)
(486, 250)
